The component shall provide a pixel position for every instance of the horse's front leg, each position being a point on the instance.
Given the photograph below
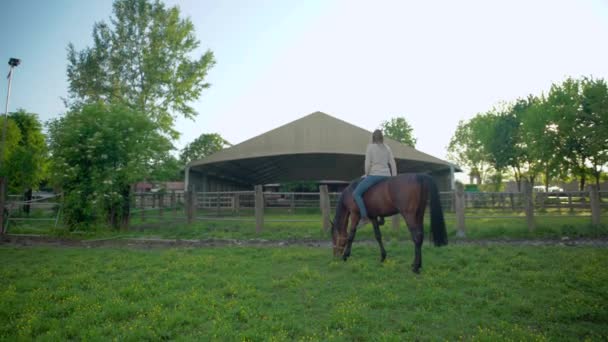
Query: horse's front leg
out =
(379, 239)
(354, 221)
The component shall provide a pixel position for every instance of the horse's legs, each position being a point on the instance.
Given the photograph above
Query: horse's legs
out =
(354, 220)
(417, 231)
(379, 239)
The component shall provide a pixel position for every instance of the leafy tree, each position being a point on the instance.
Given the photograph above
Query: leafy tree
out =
(202, 147)
(399, 129)
(595, 113)
(540, 137)
(168, 168)
(11, 142)
(565, 103)
(466, 149)
(98, 151)
(26, 165)
(142, 59)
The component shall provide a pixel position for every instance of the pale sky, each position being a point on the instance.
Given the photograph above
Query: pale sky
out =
(432, 62)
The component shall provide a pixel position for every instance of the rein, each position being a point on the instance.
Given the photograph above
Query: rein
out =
(339, 240)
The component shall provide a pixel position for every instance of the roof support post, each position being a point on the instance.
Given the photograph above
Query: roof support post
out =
(187, 177)
(452, 178)
(325, 206)
(259, 208)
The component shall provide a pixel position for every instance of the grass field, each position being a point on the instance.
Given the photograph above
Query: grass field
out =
(286, 294)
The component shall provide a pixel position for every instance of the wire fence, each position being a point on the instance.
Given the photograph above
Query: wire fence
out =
(39, 209)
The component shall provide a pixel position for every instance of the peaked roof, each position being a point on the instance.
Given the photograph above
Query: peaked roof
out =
(318, 135)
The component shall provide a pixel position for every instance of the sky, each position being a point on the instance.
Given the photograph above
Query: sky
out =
(432, 62)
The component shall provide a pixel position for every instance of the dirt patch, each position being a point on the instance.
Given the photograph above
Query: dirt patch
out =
(41, 240)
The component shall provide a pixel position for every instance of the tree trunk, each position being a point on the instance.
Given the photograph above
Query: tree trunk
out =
(27, 197)
(126, 207)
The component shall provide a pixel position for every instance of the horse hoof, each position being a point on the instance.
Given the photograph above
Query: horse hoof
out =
(416, 270)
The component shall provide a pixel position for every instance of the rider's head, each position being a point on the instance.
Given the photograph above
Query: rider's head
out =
(377, 137)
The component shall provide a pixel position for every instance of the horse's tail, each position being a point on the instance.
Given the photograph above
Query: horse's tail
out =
(440, 235)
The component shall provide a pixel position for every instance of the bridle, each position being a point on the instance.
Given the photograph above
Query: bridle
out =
(339, 240)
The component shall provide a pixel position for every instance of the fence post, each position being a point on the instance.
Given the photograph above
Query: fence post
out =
(570, 203)
(143, 206)
(173, 203)
(594, 200)
(161, 203)
(325, 206)
(293, 203)
(459, 208)
(190, 204)
(542, 198)
(218, 203)
(237, 203)
(529, 204)
(259, 208)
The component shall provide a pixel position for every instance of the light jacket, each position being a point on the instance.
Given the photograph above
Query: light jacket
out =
(378, 157)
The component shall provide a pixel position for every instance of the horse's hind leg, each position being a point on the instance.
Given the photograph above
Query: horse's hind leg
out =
(379, 239)
(417, 231)
(354, 220)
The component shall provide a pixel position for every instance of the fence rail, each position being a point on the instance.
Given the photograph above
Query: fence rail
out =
(251, 206)
(37, 209)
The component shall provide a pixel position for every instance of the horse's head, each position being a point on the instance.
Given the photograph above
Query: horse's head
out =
(338, 238)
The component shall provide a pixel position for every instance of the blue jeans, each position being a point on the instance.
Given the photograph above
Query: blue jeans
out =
(362, 187)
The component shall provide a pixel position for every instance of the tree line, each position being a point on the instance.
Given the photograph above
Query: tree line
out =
(558, 136)
(125, 92)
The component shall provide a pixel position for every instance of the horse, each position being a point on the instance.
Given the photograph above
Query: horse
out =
(404, 194)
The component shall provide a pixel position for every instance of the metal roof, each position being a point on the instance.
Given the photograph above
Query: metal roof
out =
(316, 146)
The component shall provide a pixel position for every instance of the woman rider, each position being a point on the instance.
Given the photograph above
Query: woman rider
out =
(379, 165)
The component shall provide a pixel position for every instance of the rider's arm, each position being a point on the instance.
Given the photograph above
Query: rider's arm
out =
(368, 160)
(391, 161)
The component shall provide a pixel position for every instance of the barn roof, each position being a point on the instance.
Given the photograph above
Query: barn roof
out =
(316, 146)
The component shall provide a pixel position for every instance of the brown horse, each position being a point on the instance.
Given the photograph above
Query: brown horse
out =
(404, 194)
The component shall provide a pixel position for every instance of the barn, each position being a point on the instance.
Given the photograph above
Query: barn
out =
(313, 148)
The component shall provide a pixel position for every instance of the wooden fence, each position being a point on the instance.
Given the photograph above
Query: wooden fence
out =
(252, 206)
(148, 209)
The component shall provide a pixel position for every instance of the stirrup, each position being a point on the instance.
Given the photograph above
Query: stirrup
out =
(363, 223)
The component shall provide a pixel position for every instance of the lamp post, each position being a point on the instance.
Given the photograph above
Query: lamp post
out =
(13, 62)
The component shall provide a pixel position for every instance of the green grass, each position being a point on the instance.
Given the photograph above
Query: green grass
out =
(291, 294)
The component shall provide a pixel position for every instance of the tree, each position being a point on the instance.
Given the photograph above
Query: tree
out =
(399, 129)
(202, 147)
(11, 142)
(26, 166)
(98, 151)
(539, 136)
(595, 113)
(466, 149)
(141, 60)
(565, 103)
(168, 168)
